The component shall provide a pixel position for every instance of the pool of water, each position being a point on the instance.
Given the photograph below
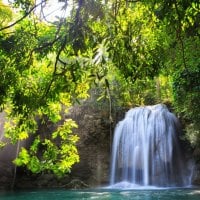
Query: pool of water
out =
(62, 194)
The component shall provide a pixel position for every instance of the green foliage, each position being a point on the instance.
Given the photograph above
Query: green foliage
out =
(32, 88)
(186, 90)
(132, 41)
(58, 152)
(182, 62)
(144, 91)
(19, 128)
(24, 4)
(187, 82)
(5, 14)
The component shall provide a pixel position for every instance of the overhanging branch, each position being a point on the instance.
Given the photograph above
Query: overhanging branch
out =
(23, 17)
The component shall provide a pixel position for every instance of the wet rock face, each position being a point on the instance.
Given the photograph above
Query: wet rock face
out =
(196, 175)
(94, 145)
(196, 172)
(6, 154)
(6, 176)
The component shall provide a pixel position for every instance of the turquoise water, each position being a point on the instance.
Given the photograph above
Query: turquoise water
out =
(103, 194)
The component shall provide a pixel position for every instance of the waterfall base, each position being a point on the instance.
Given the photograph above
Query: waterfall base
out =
(131, 186)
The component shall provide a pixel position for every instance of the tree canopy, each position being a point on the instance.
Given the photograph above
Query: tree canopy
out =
(138, 52)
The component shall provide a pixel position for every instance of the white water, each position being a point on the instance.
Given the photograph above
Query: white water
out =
(146, 150)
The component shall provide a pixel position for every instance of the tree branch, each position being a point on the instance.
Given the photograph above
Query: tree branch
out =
(23, 17)
(55, 66)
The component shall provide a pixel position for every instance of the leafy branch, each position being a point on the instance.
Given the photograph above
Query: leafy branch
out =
(23, 17)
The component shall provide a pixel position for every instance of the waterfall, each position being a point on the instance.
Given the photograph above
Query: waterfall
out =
(146, 150)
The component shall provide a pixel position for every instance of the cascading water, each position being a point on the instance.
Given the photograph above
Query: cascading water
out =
(146, 149)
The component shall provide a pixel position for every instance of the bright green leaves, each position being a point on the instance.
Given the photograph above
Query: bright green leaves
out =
(56, 154)
(53, 111)
(19, 127)
(65, 130)
(50, 152)
(35, 145)
(68, 151)
(23, 158)
(34, 165)
(5, 14)
(191, 15)
(136, 42)
(82, 89)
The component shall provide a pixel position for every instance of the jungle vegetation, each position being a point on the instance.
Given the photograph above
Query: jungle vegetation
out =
(136, 52)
